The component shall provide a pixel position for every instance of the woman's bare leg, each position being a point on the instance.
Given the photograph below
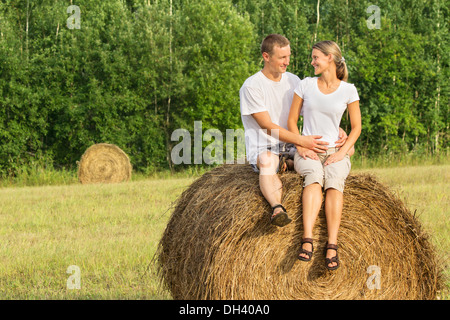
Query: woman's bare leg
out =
(311, 202)
(334, 202)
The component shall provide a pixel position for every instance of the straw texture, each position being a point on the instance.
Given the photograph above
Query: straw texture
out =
(104, 163)
(219, 244)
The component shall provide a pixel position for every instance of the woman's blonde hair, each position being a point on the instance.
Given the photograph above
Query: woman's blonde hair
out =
(327, 47)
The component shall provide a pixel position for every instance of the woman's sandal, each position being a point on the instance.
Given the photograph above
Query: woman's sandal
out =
(332, 259)
(303, 251)
(281, 218)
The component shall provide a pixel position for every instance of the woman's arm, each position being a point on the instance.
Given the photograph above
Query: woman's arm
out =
(355, 120)
(294, 114)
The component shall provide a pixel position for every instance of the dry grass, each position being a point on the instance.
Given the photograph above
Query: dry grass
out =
(219, 244)
(112, 231)
(104, 163)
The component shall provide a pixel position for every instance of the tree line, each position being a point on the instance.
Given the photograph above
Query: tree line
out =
(130, 72)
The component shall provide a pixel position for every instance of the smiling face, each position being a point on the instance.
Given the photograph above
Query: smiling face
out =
(277, 62)
(320, 61)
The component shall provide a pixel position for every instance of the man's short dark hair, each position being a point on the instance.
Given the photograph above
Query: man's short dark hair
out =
(273, 40)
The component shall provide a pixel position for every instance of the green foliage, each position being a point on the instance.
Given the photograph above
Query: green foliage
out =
(137, 70)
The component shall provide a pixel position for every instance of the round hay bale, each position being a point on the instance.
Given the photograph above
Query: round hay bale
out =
(104, 163)
(219, 244)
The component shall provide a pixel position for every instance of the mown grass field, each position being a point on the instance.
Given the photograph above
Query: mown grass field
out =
(111, 232)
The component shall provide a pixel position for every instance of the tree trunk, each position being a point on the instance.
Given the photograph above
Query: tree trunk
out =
(168, 142)
(318, 18)
(438, 88)
(26, 30)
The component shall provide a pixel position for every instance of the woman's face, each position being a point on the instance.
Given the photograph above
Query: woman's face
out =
(320, 61)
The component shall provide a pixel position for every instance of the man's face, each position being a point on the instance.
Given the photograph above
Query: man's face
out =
(279, 60)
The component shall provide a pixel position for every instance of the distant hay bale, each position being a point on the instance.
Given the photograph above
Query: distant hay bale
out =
(104, 163)
(219, 244)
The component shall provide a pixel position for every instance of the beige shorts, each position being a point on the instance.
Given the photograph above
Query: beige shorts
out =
(330, 176)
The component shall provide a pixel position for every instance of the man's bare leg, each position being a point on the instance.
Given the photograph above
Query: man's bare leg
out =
(269, 182)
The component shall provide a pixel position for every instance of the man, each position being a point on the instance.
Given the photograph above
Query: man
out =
(265, 100)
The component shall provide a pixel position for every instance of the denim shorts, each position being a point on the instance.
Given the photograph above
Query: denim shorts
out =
(284, 149)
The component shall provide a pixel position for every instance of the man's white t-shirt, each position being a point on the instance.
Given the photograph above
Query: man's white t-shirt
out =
(321, 112)
(258, 94)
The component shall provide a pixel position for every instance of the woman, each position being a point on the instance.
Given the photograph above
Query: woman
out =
(322, 101)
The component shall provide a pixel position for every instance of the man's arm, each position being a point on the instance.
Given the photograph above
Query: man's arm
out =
(310, 142)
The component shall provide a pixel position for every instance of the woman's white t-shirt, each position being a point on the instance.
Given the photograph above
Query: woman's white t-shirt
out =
(321, 112)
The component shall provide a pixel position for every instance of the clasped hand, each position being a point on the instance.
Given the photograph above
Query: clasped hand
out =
(314, 146)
